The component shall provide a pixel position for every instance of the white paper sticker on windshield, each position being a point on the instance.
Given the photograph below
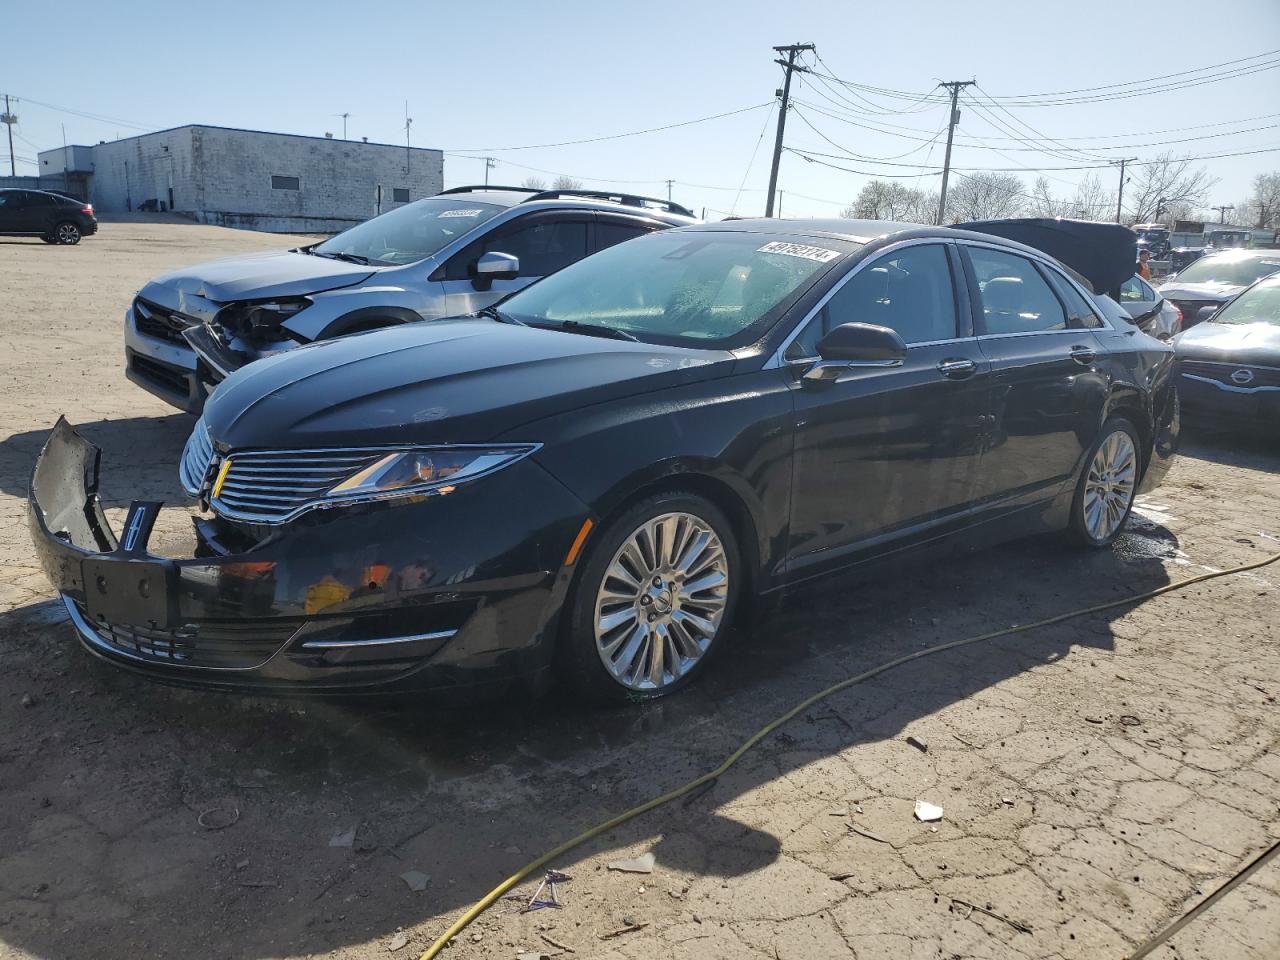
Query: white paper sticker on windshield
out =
(469, 212)
(820, 254)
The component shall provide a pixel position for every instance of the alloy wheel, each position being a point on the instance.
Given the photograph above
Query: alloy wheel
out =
(661, 601)
(1109, 486)
(68, 233)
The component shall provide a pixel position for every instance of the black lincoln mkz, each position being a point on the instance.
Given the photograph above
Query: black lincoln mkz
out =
(589, 480)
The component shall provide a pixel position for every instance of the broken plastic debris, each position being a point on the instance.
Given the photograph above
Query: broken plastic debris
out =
(416, 879)
(345, 839)
(927, 812)
(641, 864)
(398, 942)
(918, 744)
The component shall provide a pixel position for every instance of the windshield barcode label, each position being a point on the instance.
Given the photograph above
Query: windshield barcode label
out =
(459, 213)
(820, 254)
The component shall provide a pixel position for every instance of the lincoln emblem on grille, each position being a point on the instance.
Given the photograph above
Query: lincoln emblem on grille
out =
(1242, 376)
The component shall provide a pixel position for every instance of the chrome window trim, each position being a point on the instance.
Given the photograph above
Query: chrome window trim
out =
(778, 361)
(1045, 261)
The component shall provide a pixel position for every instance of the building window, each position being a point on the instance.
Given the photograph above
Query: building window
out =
(285, 183)
(400, 194)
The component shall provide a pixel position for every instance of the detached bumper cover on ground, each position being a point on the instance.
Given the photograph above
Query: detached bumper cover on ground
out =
(343, 602)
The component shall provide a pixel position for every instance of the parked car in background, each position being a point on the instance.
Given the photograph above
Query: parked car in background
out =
(53, 217)
(1152, 313)
(1214, 279)
(592, 478)
(1227, 238)
(1153, 237)
(1230, 364)
(447, 255)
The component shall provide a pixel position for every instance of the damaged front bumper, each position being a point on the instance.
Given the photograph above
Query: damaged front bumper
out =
(441, 593)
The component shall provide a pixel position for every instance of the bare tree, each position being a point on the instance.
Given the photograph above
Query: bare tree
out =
(984, 196)
(1092, 201)
(1042, 203)
(882, 200)
(1168, 180)
(563, 182)
(1262, 209)
(534, 183)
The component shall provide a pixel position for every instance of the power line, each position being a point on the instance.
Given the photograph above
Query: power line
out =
(614, 136)
(750, 163)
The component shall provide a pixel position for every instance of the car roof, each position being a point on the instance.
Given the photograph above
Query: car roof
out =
(508, 197)
(857, 231)
(1241, 253)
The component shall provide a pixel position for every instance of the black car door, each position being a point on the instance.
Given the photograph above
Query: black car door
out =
(13, 211)
(885, 453)
(1048, 385)
(38, 212)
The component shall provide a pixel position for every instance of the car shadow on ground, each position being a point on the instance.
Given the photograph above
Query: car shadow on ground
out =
(134, 804)
(1254, 449)
(139, 456)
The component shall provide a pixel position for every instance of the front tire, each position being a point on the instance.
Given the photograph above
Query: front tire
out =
(66, 233)
(653, 600)
(1107, 486)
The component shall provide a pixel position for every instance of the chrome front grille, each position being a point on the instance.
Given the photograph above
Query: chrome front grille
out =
(197, 455)
(1240, 375)
(271, 487)
(156, 321)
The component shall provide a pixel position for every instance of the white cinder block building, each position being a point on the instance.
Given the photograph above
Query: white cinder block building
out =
(246, 178)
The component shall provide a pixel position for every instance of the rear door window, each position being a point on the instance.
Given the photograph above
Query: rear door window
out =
(542, 244)
(612, 232)
(1015, 297)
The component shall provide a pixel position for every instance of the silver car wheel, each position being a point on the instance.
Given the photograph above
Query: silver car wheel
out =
(1109, 487)
(68, 233)
(661, 601)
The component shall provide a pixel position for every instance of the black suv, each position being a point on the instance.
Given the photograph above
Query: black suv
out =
(52, 217)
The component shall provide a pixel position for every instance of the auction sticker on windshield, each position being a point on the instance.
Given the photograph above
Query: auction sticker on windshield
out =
(459, 213)
(820, 254)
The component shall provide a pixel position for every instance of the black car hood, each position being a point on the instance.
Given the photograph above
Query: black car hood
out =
(1255, 343)
(1103, 253)
(443, 381)
(257, 276)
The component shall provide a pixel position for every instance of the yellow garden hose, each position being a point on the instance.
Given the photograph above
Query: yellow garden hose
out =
(552, 855)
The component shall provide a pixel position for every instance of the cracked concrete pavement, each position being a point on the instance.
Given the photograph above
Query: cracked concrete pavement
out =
(1099, 776)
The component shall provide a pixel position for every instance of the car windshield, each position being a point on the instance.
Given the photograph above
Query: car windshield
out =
(698, 288)
(1236, 270)
(409, 233)
(1259, 305)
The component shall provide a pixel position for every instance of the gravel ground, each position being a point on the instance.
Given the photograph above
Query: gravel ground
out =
(1099, 777)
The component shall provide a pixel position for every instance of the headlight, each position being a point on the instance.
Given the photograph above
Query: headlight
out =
(431, 468)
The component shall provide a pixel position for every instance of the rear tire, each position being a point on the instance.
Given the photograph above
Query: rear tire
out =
(1107, 486)
(66, 233)
(652, 601)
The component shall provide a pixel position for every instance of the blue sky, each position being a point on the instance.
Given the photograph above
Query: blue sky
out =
(482, 76)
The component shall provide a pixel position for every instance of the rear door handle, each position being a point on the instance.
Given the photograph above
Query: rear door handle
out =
(1083, 355)
(957, 368)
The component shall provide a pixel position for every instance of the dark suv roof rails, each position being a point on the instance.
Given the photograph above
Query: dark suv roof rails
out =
(481, 188)
(627, 199)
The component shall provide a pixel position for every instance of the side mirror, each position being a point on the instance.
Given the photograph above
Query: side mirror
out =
(494, 266)
(857, 345)
(1204, 313)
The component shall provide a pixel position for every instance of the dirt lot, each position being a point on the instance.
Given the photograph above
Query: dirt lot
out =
(1098, 777)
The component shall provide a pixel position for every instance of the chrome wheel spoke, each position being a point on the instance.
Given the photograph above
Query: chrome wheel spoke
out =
(661, 601)
(1109, 485)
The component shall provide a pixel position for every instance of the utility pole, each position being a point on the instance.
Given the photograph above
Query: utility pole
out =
(1123, 161)
(669, 183)
(344, 124)
(8, 119)
(408, 122)
(792, 51)
(955, 86)
(779, 203)
(1160, 205)
(489, 164)
(1222, 212)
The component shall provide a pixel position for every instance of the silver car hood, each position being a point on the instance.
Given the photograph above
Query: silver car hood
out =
(257, 276)
(1232, 343)
(1199, 291)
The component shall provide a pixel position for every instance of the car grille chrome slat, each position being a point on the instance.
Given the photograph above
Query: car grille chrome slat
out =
(272, 486)
(155, 321)
(197, 456)
(1221, 372)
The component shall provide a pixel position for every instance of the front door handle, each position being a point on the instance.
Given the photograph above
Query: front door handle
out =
(1083, 355)
(957, 368)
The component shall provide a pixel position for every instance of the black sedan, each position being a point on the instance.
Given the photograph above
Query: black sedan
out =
(1230, 365)
(592, 479)
(53, 217)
